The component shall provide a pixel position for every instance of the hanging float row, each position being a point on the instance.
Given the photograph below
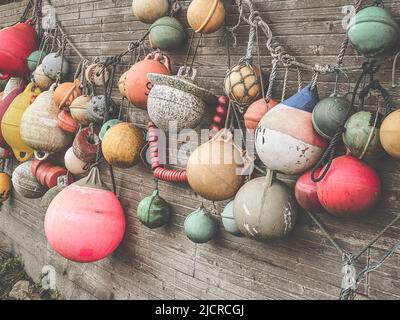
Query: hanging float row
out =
(61, 131)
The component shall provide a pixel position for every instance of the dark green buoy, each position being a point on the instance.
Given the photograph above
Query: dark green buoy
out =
(154, 212)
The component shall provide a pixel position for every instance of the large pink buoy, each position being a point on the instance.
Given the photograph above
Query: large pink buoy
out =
(85, 222)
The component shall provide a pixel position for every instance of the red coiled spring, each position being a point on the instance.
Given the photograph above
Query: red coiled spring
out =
(161, 173)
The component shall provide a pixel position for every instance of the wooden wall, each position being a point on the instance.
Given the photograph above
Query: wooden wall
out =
(164, 264)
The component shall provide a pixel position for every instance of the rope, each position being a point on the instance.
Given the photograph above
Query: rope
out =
(190, 49)
(250, 47)
(233, 29)
(25, 13)
(327, 158)
(284, 88)
(327, 235)
(175, 7)
(279, 51)
(351, 278)
(378, 236)
(299, 80)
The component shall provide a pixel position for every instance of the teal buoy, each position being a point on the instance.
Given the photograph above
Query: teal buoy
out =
(107, 126)
(200, 226)
(167, 34)
(35, 59)
(154, 212)
(374, 32)
(228, 220)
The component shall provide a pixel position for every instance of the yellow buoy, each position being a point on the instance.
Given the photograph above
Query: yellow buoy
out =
(11, 122)
(5, 186)
(390, 134)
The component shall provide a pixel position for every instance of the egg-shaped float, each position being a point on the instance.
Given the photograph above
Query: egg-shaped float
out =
(74, 164)
(285, 138)
(39, 127)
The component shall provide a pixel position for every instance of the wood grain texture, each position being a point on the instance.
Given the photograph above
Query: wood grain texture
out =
(164, 264)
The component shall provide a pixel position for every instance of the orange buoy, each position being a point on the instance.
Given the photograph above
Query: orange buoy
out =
(206, 16)
(138, 85)
(256, 112)
(66, 93)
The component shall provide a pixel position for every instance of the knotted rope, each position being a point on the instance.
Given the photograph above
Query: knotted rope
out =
(369, 69)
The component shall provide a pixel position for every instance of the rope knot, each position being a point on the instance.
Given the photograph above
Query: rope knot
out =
(254, 18)
(287, 60)
(133, 45)
(370, 67)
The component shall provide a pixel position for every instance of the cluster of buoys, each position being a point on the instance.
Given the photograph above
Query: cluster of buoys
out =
(67, 131)
(53, 122)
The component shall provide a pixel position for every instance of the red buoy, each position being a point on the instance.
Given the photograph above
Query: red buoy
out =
(16, 44)
(85, 222)
(306, 193)
(350, 188)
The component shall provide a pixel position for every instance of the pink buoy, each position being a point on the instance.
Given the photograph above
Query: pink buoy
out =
(85, 222)
(306, 193)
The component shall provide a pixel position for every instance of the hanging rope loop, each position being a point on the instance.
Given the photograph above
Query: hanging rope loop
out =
(175, 8)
